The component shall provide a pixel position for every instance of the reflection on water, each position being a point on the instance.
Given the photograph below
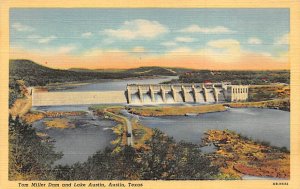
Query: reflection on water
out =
(259, 124)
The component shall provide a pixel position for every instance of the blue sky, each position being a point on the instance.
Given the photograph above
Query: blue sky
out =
(149, 31)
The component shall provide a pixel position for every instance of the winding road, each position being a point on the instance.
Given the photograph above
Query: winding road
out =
(128, 126)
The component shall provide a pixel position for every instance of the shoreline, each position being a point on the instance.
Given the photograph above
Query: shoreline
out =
(240, 155)
(157, 111)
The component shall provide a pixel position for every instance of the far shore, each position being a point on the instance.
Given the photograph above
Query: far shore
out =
(156, 111)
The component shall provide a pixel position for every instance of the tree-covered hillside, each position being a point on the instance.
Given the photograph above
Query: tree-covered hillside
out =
(236, 77)
(141, 71)
(30, 156)
(36, 75)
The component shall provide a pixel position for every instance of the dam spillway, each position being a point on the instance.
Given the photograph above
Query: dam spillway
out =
(185, 93)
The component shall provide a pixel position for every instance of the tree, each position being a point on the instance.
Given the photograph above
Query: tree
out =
(163, 160)
(30, 157)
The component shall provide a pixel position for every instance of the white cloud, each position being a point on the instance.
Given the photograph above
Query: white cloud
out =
(180, 50)
(138, 28)
(184, 39)
(224, 43)
(22, 28)
(169, 44)
(254, 41)
(48, 50)
(225, 50)
(138, 49)
(108, 41)
(96, 51)
(40, 39)
(283, 40)
(66, 49)
(206, 30)
(47, 39)
(87, 34)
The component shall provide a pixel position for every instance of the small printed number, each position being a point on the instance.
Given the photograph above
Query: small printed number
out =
(280, 183)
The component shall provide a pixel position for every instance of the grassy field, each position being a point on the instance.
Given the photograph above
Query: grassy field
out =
(176, 110)
(268, 92)
(61, 123)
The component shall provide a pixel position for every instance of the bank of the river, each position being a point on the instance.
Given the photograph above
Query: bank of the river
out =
(33, 116)
(177, 110)
(237, 155)
(140, 133)
(280, 104)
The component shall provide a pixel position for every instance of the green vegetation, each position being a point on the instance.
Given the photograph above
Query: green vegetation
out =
(30, 157)
(164, 160)
(37, 75)
(236, 77)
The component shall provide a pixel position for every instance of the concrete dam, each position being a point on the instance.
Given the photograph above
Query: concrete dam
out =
(185, 93)
(146, 94)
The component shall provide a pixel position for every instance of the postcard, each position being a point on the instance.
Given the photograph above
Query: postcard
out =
(150, 94)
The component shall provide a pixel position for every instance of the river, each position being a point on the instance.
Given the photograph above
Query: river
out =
(259, 124)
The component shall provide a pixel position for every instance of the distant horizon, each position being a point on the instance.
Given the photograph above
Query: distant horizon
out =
(70, 69)
(202, 39)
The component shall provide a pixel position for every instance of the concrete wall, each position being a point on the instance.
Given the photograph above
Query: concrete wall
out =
(237, 93)
(178, 93)
(77, 98)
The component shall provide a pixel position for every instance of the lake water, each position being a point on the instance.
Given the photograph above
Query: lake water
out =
(89, 135)
(118, 85)
(259, 124)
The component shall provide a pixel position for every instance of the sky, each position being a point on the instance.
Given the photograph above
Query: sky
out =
(223, 39)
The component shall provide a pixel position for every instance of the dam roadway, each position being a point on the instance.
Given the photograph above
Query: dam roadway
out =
(77, 98)
(128, 126)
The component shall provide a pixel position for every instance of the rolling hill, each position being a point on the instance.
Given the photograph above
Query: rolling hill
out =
(37, 75)
(146, 71)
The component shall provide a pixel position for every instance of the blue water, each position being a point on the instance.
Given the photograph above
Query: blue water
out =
(260, 124)
(117, 85)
